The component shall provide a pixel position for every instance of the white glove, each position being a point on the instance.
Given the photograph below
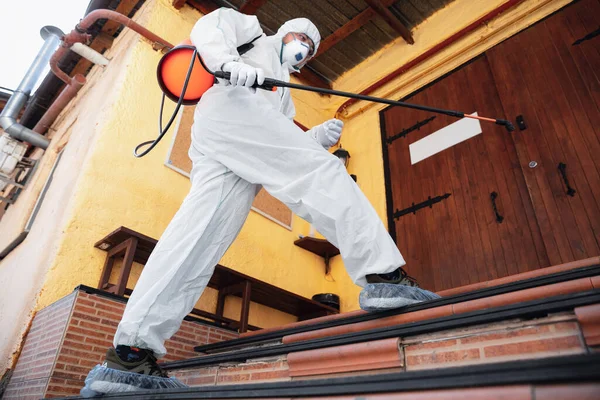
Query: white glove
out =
(328, 133)
(243, 74)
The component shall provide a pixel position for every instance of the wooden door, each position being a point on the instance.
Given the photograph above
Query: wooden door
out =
(549, 75)
(459, 240)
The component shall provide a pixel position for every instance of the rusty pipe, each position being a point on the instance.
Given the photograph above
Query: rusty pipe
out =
(56, 57)
(67, 94)
(80, 35)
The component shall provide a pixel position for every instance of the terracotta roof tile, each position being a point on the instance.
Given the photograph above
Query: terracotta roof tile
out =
(589, 320)
(574, 286)
(380, 354)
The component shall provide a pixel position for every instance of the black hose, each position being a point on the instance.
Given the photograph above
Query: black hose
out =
(162, 131)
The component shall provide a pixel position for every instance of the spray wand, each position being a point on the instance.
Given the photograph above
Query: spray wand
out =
(269, 84)
(187, 87)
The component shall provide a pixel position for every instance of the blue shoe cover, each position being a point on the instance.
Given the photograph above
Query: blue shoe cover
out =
(102, 380)
(384, 296)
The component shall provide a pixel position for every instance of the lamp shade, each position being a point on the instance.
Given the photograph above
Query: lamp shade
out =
(343, 155)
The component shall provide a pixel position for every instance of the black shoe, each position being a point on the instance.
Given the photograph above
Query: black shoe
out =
(398, 277)
(132, 359)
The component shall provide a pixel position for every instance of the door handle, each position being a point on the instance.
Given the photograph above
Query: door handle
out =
(493, 197)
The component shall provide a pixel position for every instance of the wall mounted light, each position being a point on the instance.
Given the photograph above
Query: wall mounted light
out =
(344, 156)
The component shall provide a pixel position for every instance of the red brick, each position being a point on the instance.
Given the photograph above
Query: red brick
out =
(432, 345)
(67, 359)
(52, 332)
(87, 302)
(85, 317)
(566, 326)
(100, 342)
(202, 380)
(185, 334)
(533, 346)
(443, 357)
(173, 345)
(269, 375)
(262, 366)
(116, 309)
(76, 345)
(47, 353)
(90, 363)
(72, 336)
(76, 353)
(86, 332)
(110, 322)
(233, 378)
(69, 375)
(533, 330)
(111, 315)
(72, 368)
(186, 341)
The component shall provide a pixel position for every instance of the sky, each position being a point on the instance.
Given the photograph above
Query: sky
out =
(20, 24)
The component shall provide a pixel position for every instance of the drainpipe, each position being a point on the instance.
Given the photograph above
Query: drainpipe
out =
(38, 204)
(8, 117)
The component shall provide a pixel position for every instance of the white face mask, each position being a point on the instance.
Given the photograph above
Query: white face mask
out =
(294, 52)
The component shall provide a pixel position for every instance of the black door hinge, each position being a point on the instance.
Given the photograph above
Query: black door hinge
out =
(406, 131)
(587, 37)
(424, 204)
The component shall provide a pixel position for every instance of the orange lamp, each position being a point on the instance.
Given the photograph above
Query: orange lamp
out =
(172, 70)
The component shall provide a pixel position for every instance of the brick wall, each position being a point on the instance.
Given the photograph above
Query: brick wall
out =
(256, 371)
(510, 340)
(32, 372)
(71, 336)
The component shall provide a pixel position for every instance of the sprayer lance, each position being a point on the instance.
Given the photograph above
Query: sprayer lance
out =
(270, 84)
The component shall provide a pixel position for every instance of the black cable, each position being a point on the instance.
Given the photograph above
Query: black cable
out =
(7, 89)
(162, 132)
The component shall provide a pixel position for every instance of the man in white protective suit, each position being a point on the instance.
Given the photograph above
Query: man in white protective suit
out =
(244, 139)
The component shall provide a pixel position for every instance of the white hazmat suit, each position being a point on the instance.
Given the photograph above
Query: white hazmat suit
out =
(241, 141)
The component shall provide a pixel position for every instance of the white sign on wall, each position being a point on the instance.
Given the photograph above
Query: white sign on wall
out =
(444, 138)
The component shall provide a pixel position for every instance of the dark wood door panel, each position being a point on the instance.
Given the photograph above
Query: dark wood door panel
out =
(539, 77)
(550, 75)
(460, 237)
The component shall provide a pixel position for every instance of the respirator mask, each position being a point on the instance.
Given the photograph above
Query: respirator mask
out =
(295, 52)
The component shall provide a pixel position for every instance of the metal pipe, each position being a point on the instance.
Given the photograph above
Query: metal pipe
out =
(68, 93)
(95, 15)
(8, 117)
(56, 57)
(79, 35)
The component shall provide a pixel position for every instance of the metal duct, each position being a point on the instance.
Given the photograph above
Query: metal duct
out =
(8, 117)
